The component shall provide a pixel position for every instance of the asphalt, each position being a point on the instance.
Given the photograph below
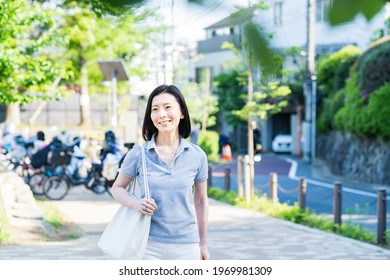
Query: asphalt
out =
(234, 234)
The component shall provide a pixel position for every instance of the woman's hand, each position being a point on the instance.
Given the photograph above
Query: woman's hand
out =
(146, 206)
(204, 252)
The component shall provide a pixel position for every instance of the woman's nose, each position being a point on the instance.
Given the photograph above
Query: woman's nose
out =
(162, 114)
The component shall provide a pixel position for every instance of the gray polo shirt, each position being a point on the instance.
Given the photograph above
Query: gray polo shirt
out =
(171, 187)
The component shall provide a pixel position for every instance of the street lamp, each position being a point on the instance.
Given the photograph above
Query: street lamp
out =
(113, 70)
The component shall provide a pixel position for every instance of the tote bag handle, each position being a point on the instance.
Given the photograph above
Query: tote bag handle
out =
(146, 183)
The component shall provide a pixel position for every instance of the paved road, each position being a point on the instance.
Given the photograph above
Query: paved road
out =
(234, 234)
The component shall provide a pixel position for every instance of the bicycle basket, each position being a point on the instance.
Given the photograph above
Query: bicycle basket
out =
(60, 157)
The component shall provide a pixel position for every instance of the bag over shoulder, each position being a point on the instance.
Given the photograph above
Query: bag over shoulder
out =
(126, 235)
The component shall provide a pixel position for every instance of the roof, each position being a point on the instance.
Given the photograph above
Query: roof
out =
(234, 19)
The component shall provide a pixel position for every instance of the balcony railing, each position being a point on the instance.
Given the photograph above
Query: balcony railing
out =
(214, 44)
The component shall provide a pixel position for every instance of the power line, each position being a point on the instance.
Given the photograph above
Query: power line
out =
(203, 13)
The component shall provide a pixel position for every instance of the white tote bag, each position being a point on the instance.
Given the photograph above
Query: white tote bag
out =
(126, 236)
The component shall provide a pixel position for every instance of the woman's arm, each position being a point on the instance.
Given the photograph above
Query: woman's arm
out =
(201, 203)
(119, 192)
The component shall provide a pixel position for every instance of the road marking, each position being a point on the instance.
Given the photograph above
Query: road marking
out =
(293, 171)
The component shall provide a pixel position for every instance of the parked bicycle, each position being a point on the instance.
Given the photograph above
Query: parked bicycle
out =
(56, 187)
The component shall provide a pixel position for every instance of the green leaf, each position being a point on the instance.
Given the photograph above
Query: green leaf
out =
(258, 45)
(370, 8)
(342, 11)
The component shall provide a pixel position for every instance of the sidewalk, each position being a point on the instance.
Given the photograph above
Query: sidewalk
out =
(234, 234)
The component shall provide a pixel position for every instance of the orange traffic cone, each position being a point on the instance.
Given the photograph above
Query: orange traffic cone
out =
(226, 152)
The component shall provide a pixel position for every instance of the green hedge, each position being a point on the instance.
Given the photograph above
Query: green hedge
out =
(374, 68)
(208, 141)
(349, 117)
(365, 116)
(330, 106)
(334, 69)
(361, 105)
(377, 113)
(333, 72)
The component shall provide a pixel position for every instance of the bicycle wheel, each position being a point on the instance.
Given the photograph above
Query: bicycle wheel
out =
(36, 182)
(98, 186)
(56, 187)
(108, 187)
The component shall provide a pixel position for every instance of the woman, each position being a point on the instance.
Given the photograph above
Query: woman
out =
(175, 167)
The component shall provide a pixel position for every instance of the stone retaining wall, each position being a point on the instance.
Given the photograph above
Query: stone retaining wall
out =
(18, 201)
(356, 158)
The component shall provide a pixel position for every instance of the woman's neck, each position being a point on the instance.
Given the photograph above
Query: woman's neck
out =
(168, 139)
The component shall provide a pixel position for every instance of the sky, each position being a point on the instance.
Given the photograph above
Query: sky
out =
(189, 19)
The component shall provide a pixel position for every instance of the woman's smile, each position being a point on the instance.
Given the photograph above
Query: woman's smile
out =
(166, 113)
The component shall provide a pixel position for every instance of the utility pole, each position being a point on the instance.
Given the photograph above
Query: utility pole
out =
(207, 87)
(250, 130)
(309, 88)
(251, 152)
(173, 42)
(85, 111)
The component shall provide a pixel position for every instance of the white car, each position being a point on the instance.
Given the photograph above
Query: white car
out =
(282, 143)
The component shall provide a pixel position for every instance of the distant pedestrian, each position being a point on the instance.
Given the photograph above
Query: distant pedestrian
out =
(256, 139)
(39, 142)
(194, 135)
(223, 140)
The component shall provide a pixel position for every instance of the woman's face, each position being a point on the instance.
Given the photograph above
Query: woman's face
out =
(166, 113)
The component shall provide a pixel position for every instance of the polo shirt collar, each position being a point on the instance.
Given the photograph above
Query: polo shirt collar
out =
(151, 144)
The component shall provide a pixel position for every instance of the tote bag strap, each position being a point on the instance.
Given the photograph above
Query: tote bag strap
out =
(146, 183)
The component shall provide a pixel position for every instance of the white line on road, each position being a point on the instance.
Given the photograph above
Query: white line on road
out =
(293, 171)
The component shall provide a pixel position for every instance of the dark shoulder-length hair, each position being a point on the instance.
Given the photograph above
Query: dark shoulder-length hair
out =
(148, 128)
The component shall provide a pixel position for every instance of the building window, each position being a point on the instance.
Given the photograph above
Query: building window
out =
(322, 7)
(200, 74)
(278, 12)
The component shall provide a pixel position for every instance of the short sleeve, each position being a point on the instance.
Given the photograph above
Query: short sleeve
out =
(203, 169)
(130, 165)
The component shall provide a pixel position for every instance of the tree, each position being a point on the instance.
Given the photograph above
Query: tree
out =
(231, 94)
(101, 36)
(263, 96)
(106, 7)
(28, 48)
(340, 11)
(197, 104)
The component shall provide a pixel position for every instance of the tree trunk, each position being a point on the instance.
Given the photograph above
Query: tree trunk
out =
(206, 99)
(13, 114)
(85, 111)
(309, 90)
(250, 132)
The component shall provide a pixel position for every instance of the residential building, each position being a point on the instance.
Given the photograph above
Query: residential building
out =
(286, 21)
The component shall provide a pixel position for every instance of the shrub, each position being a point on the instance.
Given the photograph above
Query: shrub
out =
(349, 117)
(208, 141)
(377, 112)
(330, 107)
(374, 67)
(334, 69)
